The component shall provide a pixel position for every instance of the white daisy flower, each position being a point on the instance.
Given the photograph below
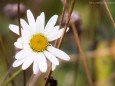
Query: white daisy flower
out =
(35, 43)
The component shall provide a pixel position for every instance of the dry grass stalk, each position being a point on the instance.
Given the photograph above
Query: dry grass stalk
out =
(109, 13)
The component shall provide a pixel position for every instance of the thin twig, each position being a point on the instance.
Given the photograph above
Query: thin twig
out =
(24, 73)
(33, 79)
(67, 22)
(47, 79)
(62, 37)
(82, 53)
(19, 17)
(63, 12)
(62, 17)
(109, 13)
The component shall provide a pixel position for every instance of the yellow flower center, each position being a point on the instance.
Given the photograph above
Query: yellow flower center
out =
(38, 43)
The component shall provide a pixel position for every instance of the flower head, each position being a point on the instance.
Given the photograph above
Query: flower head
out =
(35, 43)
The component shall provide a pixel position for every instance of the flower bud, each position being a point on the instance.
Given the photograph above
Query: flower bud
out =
(11, 10)
(75, 17)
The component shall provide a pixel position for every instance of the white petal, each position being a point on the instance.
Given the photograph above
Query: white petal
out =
(15, 29)
(28, 61)
(49, 31)
(21, 54)
(22, 46)
(26, 35)
(40, 23)
(42, 17)
(53, 67)
(42, 62)
(21, 40)
(36, 65)
(26, 47)
(55, 35)
(18, 45)
(18, 62)
(25, 26)
(51, 22)
(58, 53)
(31, 21)
(51, 57)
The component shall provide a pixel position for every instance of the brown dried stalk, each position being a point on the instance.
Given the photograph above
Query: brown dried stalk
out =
(62, 37)
(19, 16)
(109, 13)
(63, 12)
(33, 79)
(62, 17)
(81, 53)
(67, 22)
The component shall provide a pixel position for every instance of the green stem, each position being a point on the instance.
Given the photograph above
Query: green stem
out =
(13, 76)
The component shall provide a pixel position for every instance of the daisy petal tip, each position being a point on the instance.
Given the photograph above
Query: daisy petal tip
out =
(15, 44)
(42, 13)
(13, 65)
(56, 62)
(67, 29)
(53, 67)
(28, 10)
(18, 45)
(23, 67)
(11, 26)
(56, 16)
(21, 20)
(43, 70)
(35, 72)
(67, 58)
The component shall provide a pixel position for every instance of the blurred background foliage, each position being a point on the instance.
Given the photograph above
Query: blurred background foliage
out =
(96, 33)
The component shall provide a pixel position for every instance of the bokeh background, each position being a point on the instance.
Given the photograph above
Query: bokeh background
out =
(96, 33)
